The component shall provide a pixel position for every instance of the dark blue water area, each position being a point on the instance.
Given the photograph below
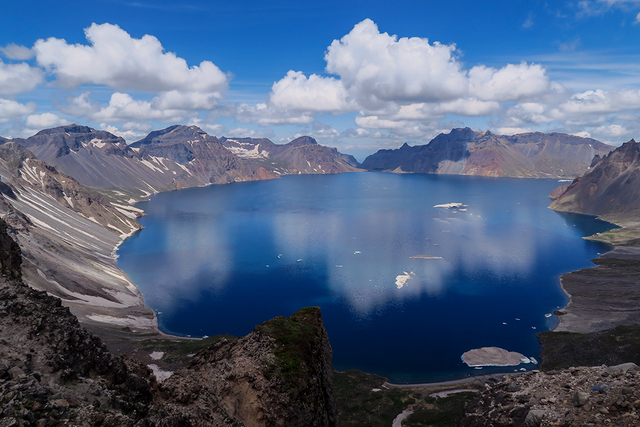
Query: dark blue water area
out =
(224, 258)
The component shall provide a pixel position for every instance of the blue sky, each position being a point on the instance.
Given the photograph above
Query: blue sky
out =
(357, 75)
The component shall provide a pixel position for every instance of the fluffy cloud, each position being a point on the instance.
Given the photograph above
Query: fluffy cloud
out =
(10, 110)
(297, 92)
(510, 83)
(401, 83)
(45, 120)
(376, 67)
(122, 107)
(115, 59)
(14, 51)
(18, 78)
(266, 115)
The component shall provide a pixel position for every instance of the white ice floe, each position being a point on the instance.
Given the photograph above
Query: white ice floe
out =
(402, 279)
(493, 356)
(451, 205)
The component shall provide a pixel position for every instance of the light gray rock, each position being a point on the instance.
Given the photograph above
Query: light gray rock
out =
(622, 368)
(580, 398)
(534, 418)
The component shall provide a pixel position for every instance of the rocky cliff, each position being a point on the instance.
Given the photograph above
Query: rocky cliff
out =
(611, 186)
(465, 152)
(201, 154)
(303, 155)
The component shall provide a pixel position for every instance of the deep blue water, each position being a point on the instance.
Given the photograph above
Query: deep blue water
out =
(224, 258)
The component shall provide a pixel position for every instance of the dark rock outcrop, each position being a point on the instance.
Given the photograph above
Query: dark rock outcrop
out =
(597, 396)
(280, 374)
(465, 152)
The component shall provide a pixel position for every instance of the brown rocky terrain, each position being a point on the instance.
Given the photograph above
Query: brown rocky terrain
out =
(595, 396)
(465, 152)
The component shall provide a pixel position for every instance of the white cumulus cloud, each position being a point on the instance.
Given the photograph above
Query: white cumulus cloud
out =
(17, 52)
(10, 110)
(115, 59)
(377, 67)
(45, 120)
(315, 93)
(19, 78)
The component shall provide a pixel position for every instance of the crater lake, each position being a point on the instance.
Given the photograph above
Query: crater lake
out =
(405, 287)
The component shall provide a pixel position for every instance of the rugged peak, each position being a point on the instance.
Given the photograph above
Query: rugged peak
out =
(173, 134)
(72, 128)
(405, 146)
(611, 186)
(303, 140)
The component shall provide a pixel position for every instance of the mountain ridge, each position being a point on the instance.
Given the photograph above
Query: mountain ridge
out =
(466, 152)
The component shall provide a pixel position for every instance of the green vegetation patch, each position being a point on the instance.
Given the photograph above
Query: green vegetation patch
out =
(561, 350)
(441, 412)
(359, 405)
(295, 342)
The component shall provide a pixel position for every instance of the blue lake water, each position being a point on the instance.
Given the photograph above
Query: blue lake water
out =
(224, 258)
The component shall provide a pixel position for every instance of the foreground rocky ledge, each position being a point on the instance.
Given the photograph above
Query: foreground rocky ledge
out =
(597, 396)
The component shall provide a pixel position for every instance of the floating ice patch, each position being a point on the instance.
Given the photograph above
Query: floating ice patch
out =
(450, 205)
(492, 356)
(402, 279)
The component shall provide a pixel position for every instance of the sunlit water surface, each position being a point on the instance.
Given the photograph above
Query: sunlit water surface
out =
(224, 258)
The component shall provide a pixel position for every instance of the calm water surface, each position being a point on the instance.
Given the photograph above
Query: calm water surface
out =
(224, 258)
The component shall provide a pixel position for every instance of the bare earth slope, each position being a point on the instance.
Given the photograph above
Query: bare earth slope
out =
(465, 152)
(67, 234)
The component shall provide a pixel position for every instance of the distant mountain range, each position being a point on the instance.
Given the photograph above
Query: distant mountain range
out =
(303, 155)
(177, 157)
(612, 185)
(465, 152)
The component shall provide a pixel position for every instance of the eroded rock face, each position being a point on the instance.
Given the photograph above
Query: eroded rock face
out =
(596, 396)
(280, 374)
(612, 186)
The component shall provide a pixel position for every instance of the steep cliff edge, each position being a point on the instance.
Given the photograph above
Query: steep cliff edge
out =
(279, 374)
(465, 152)
(54, 372)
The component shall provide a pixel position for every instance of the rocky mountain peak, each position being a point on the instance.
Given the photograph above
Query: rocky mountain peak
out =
(303, 140)
(72, 128)
(612, 185)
